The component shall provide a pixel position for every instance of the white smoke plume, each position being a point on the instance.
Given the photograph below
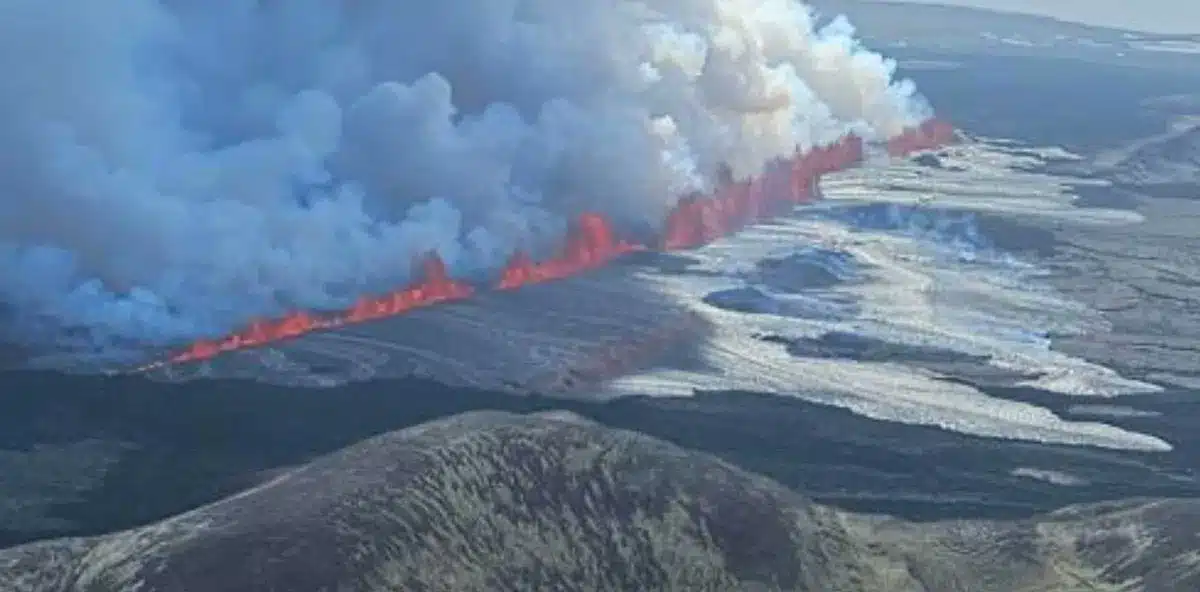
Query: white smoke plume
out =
(171, 168)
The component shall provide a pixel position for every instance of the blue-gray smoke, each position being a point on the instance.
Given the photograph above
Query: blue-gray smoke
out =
(171, 168)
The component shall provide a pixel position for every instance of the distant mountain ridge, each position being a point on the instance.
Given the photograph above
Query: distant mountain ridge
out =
(962, 30)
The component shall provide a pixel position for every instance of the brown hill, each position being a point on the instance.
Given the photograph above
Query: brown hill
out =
(495, 501)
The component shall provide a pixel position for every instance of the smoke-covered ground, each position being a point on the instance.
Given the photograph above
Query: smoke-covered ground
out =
(172, 168)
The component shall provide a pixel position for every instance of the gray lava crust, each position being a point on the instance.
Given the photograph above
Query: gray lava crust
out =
(560, 337)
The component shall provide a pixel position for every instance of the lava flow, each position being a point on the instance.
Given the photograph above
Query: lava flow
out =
(695, 221)
(930, 134)
(699, 220)
(435, 287)
(590, 244)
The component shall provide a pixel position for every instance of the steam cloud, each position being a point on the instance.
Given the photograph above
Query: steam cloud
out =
(173, 167)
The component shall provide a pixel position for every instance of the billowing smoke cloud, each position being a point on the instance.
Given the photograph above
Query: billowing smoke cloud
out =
(172, 167)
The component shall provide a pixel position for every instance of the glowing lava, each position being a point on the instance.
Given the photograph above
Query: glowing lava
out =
(698, 220)
(435, 287)
(931, 134)
(590, 244)
(695, 221)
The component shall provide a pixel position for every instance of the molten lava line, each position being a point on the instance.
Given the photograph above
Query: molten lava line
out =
(591, 243)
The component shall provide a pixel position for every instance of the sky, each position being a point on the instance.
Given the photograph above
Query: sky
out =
(1155, 16)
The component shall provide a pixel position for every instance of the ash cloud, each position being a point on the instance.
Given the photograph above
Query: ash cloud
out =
(172, 168)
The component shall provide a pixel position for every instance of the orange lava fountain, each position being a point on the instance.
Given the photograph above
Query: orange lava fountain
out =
(698, 220)
(591, 243)
(435, 287)
(927, 136)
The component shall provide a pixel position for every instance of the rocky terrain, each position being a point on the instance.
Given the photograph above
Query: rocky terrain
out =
(497, 501)
(1148, 545)
(1166, 165)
